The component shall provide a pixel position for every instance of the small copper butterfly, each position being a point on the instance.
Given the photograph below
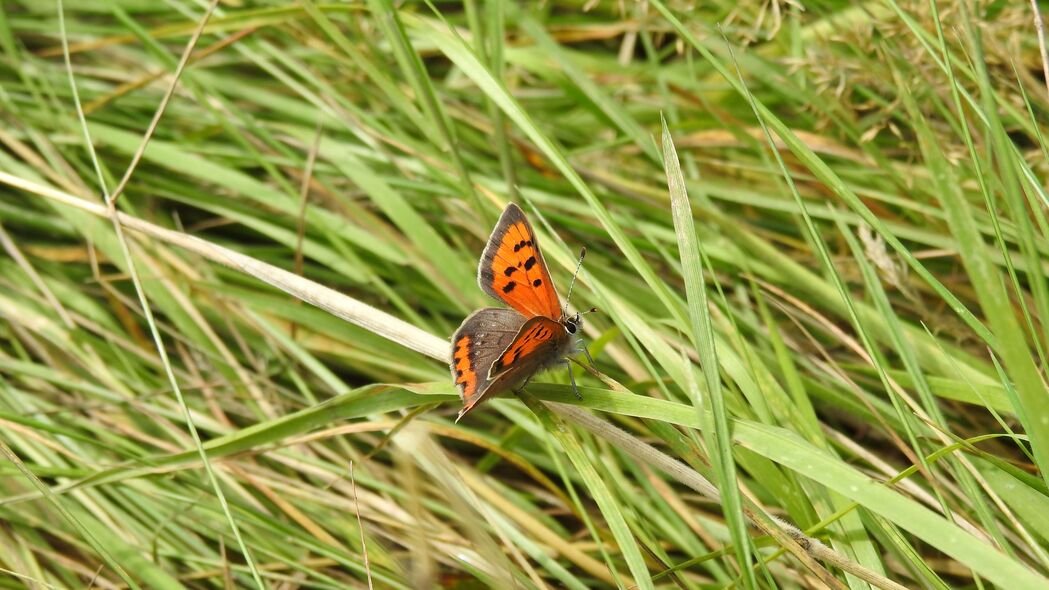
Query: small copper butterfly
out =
(495, 349)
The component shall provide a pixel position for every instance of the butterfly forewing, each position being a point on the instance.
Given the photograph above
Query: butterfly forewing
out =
(512, 268)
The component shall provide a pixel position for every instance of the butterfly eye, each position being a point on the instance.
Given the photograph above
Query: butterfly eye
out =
(570, 326)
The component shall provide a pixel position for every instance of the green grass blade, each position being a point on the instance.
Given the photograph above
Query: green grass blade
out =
(598, 489)
(716, 433)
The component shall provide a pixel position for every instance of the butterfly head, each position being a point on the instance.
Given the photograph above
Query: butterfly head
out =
(574, 322)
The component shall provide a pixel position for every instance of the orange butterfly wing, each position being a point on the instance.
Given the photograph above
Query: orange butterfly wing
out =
(539, 343)
(498, 349)
(512, 268)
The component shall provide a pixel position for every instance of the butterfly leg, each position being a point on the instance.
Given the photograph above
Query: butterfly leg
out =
(589, 358)
(571, 378)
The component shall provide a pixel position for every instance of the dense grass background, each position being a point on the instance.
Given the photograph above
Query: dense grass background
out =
(821, 281)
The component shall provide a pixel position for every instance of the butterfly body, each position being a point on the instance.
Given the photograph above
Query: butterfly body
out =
(496, 350)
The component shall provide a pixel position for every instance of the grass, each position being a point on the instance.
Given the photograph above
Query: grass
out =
(816, 238)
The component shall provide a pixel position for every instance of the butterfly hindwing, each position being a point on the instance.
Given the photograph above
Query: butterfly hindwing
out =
(538, 343)
(512, 268)
(477, 345)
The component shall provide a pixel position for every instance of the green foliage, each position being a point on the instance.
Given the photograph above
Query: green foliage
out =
(817, 240)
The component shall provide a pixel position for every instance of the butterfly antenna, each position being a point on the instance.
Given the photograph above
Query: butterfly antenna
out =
(578, 265)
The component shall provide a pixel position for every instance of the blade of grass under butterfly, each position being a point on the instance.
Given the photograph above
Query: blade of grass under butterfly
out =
(791, 451)
(365, 401)
(608, 504)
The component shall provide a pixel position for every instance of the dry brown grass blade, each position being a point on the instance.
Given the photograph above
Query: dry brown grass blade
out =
(330, 300)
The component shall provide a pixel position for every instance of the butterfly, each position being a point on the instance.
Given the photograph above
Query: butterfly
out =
(496, 349)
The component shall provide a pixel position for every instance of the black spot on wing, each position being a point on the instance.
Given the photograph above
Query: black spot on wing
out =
(529, 263)
(509, 270)
(509, 287)
(522, 244)
(537, 282)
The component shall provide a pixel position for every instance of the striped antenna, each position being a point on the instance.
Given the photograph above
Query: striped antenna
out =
(579, 264)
